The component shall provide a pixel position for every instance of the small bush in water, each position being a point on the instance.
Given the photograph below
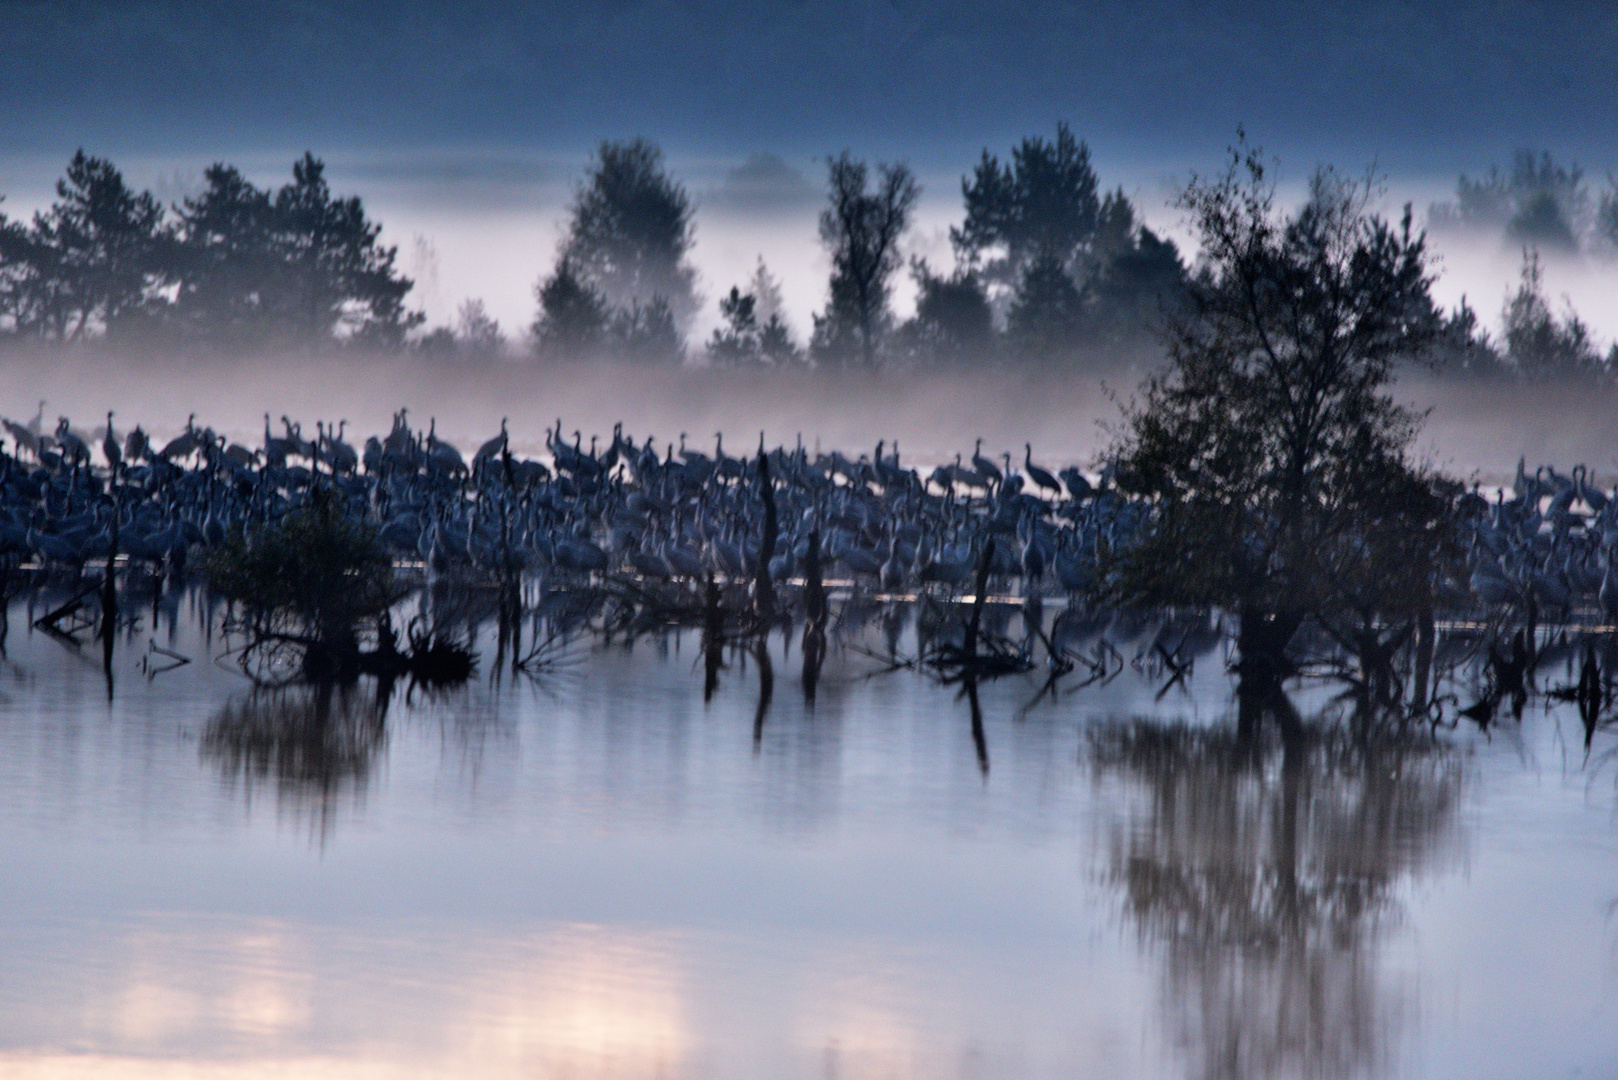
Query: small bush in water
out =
(315, 572)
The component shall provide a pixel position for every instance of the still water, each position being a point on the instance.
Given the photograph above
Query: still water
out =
(597, 874)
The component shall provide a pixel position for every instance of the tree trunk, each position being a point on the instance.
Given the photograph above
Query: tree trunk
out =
(1425, 640)
(1262, 643)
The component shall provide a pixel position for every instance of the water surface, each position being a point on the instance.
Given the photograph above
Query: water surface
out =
(596, 873)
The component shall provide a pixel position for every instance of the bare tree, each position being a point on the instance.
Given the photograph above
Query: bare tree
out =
(476, 332)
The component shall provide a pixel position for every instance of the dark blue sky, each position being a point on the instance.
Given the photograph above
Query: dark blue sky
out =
(1418, 86)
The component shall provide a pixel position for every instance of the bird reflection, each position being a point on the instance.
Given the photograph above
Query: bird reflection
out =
(313, 743)
(1264, 871)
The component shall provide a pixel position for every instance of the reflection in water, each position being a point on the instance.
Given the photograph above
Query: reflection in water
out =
(597, 874)
(766, 687)
(312, 742)
(1265, 871)
(969, 687)
(814, 655)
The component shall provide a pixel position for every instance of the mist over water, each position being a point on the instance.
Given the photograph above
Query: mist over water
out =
(1473, 431)
(486, 225)
(934, 416)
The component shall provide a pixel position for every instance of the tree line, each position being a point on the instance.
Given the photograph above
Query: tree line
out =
(1536, 344)
(1538, 202)
(1048, 267)
(233, 265)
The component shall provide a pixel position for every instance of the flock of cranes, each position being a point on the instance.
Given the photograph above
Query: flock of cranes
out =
(676, 512)
(664, 514)
(1548, 544)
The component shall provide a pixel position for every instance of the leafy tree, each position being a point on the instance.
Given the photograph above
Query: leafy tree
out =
(296, 266)
(775, 345)
(745, 340)
(1042, 204)
(1541, 223)
(1047, 317)
(1540, 203)
(1607, 221)
(737, 341)
(1138, 278)
(646, 333)
(438, 343)
(317, 572)
(861, 228)
(766, 293)
(1040, 218)
(230, 264)
(474, 336)
(31, 290)
(338, 277)
(1463, 346)
(244, 265)
(94, 259)
(573, 317)
(476, 333)
(1271, 441)
(632, 230)
(953, 321)
(1540, 346)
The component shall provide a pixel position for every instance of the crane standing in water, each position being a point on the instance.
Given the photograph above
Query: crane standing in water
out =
(1041, 477)
(109, 446)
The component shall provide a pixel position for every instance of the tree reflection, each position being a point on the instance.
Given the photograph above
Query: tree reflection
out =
(1265, 869)
(313, 743)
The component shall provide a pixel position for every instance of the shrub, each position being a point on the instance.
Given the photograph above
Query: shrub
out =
(316, 572)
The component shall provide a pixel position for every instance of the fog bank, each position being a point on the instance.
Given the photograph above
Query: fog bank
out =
(1473, 430)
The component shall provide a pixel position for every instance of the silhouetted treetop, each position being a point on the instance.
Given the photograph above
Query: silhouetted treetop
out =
(1070, 269)
(573, 317)
(237, 265)
(736, 342)
(93, 261)
(228, 261)
(861, 227)
(1043, 202)
(1538, 345)
(632, 230)
(476, 332)
(295, 266)
(1539, 203)
(340, 276)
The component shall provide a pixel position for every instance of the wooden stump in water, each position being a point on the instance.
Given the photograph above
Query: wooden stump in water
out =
(713, 639)
(763, 588)
(814, 589)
